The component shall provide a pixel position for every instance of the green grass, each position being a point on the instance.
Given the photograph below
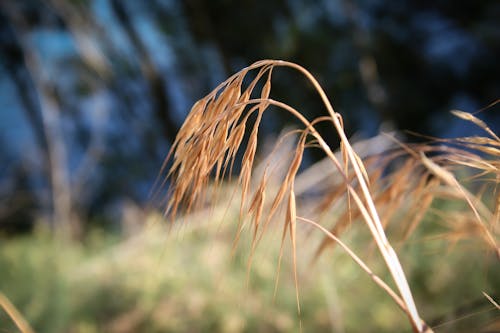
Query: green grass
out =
(149, 283)
(187, 281)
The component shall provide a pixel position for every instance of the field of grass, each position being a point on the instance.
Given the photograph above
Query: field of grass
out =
(380, 236)
(187, 281)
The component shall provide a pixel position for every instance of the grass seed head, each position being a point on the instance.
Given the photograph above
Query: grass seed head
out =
(206, 148)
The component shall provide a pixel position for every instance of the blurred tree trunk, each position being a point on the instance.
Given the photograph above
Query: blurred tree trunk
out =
(38, 97)
(15, 65)
(154, 80)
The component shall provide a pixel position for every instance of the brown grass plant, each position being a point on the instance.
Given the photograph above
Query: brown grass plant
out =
(219, 126)
(15, 315)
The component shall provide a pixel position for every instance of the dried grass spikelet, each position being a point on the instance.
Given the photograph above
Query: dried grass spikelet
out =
(464, 169)
(213, 133)
(479, 155)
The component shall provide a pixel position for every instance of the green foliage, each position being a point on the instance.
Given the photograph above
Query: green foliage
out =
(189, 282)
(147, 283)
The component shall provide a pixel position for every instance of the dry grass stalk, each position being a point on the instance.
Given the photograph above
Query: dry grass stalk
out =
(212, 135)
(492, 301)
(451, 161)
(14, 314)
(440, 169)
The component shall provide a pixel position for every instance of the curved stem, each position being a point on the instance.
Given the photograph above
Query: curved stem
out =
(358, 261)
(374, 222)
(370, 213)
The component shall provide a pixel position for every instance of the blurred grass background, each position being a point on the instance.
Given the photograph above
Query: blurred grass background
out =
(186, 280)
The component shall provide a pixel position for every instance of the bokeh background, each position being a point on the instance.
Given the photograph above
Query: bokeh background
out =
(92, 92)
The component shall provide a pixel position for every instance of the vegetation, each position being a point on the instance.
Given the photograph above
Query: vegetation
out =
(435, 205)
(94, 93)
(211, 136)
(187, 280)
